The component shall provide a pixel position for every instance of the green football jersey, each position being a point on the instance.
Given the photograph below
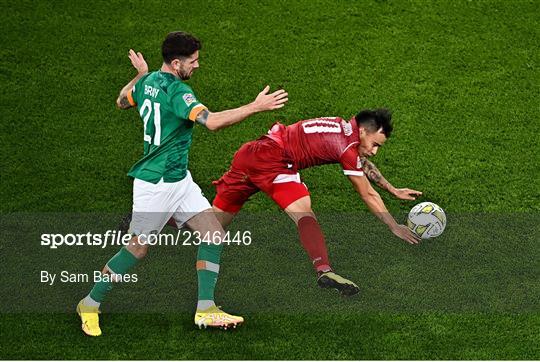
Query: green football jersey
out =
(168, 108)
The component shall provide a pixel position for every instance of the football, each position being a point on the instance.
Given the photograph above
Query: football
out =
(427, 220)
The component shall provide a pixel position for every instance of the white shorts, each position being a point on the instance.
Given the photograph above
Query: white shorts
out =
(155, 204)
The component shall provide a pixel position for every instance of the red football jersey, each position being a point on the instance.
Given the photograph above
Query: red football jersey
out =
(321, 141)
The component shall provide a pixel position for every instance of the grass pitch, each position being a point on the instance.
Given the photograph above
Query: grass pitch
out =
(462, 79)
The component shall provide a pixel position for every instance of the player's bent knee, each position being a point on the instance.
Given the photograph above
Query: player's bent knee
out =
(139, 252)
(297, 216)
(225, 218)
(300, 209)
(205, 222)
(302, 205)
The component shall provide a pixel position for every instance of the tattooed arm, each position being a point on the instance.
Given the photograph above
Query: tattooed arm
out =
(376, 206)
(374, 175)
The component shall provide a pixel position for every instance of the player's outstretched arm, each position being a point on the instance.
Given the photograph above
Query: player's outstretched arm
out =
(138, 62)
(264, 102)
(376, 206)
(376, 176)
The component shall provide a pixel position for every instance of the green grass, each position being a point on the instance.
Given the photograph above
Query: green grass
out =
(462, 79)
(329, 336)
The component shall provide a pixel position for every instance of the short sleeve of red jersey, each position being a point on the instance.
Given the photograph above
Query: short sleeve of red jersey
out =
(351, 162)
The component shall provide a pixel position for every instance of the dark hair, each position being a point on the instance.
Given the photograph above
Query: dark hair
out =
(179, 45)
(374, 120)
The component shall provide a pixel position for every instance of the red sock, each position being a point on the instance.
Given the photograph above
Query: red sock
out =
(312, 240)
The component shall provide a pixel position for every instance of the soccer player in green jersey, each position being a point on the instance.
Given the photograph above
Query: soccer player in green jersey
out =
(163, 187)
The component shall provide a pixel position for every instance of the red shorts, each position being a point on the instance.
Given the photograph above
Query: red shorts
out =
(259, 165)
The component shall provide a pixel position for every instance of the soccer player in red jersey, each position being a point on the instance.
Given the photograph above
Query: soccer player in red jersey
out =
(271, 164)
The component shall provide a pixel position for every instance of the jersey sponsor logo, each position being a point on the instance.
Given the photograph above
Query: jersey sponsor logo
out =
(321, 126)
(189, 99)
(347, 128)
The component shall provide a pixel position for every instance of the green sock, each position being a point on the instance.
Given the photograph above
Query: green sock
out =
(120, 263)
(208, 258)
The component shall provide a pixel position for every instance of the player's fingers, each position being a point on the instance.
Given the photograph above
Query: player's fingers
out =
(282, 100)
(419, 193)
(265, 90)
(278, 106)
(409, 241)
(281, 95)
(132, 54)
(278, 92)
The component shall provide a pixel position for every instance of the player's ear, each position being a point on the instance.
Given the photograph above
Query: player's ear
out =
(175, 63)
(361, 131)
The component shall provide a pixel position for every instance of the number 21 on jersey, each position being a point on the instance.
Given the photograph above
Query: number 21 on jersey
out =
(152, 132)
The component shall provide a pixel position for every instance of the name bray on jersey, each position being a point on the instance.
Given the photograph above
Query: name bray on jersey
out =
(151, 91)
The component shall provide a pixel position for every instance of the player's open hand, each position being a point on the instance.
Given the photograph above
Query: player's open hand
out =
(407, 194)
(138, 61)
(268, 101)
(403, 232)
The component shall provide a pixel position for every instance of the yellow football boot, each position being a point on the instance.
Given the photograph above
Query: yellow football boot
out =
(90, 319)
(215, 317)
(330, 279)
